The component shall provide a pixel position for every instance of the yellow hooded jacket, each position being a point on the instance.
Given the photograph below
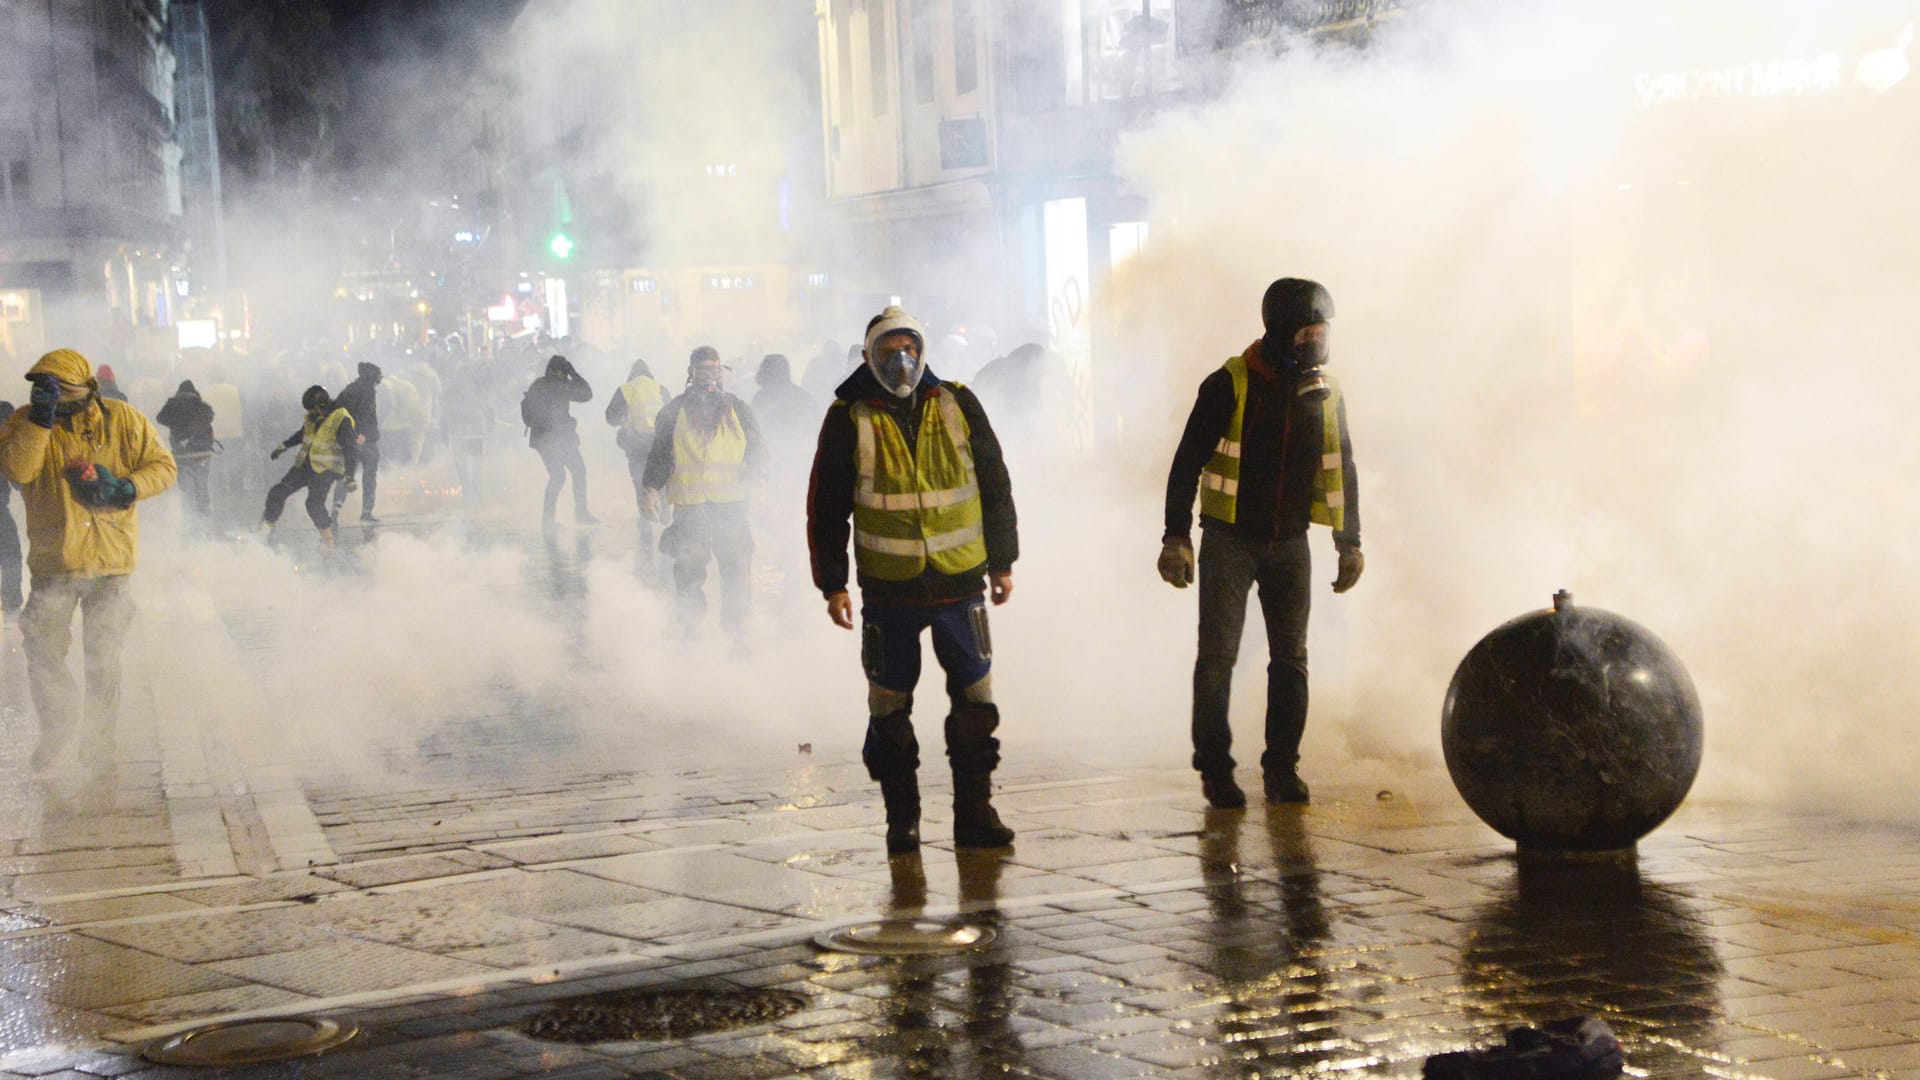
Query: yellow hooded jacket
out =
(68, 538)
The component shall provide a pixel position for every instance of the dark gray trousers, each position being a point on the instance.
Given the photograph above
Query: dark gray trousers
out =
(1283, 571)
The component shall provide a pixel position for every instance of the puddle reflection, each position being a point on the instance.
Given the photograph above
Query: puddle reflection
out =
(1597, 939)
(949, 1015)
(1265, 946)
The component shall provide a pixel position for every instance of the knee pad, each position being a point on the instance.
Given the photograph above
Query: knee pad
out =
(980, 693)
(891, 749)
(883, 702)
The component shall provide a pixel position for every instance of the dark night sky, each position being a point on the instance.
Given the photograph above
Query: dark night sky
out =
(401, 56)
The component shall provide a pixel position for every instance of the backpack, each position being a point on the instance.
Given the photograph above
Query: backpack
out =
(530, 412)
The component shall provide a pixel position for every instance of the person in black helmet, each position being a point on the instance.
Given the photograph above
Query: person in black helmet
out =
(327, 449)
(1267, 448)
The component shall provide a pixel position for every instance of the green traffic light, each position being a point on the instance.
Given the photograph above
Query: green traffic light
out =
(560, 245)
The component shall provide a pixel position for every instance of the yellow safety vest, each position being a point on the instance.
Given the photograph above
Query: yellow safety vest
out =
(919, 507)
(320, 443)
(643, 405)
(707, 468)
(1220, 480)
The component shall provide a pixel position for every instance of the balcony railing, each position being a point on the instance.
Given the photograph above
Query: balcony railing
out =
(1236, 22)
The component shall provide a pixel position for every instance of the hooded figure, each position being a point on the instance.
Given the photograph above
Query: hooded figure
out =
(81, 463)
(788, 414)
(361, 400)
(109, 386)
(552, 433)
(189, 423)
(633, 411)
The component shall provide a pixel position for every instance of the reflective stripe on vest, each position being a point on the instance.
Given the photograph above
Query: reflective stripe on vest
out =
(708, 468)
(1220, 480)
(643, 405)
(321, 444)
(912, 509)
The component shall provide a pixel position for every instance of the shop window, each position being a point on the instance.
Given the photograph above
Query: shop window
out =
(966, 48)
(1129, 48)
(1035, 52)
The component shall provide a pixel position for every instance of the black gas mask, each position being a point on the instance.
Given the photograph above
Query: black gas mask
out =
(1309, 360)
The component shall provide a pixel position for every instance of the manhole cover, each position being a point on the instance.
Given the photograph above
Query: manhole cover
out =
(659, 1014)
(905, 937)
(248, 1042)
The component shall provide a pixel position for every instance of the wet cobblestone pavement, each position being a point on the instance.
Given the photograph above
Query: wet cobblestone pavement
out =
(442, 907)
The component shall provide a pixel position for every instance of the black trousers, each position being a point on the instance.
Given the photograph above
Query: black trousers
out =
(195, 482)
(1283, 571)
(716, 532)
(561, 456)
(369, 480)
(317, 484)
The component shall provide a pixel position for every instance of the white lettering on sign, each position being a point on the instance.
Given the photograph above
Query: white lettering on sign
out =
(1879, 70)
(1759, 79)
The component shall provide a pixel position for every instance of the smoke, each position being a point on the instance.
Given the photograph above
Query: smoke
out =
(1648, 354)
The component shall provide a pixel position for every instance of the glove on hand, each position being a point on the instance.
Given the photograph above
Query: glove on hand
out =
(277, 451)
(1176, 563)
(44, 399)
(1351, 564)
(94, 485)
(351, 485)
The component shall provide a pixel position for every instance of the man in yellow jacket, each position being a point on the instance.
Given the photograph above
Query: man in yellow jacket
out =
(81, 462)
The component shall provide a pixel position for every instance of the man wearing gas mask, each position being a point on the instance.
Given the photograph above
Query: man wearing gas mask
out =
(81, 463)
(706, 449)
(1267, 448)
(912, 461)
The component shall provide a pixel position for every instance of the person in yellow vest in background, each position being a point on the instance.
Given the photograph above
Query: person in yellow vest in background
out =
(81, 462)
(328, 447)
(633, 411)
(1267, 447)
(706, 449)
(913, 462)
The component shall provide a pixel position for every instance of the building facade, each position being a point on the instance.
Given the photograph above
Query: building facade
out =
(969, 149)
(90, 180)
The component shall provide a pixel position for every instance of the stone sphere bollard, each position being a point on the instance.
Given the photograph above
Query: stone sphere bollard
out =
(1572, 730)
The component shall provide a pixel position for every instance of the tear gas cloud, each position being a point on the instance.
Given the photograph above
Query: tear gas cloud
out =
(1652, 353)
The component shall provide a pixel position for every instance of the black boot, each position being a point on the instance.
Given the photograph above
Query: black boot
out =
(902, 794)
(1222, 792)
(892, 756)
(1286, 787)
(975, 753)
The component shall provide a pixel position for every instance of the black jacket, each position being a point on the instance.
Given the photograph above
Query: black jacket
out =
(660, 457)
(189, 423)
(359, 399)
(835, 473)
(1280, 446)
(546, 405)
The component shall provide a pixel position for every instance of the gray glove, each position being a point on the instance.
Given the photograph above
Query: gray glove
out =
(1176, 562)
(1351, 564)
